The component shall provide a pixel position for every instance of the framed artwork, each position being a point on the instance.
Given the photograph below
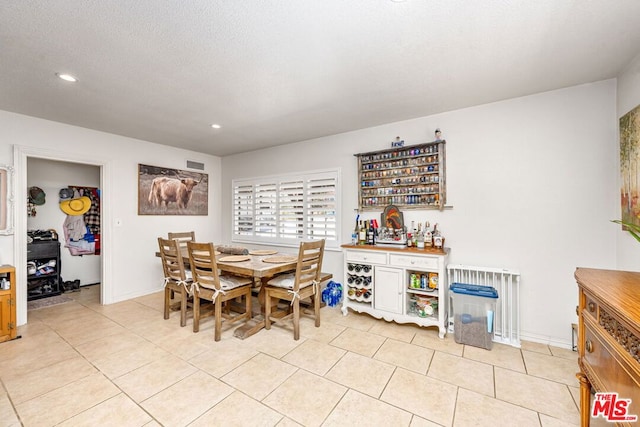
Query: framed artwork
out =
(6, 200)
(166, 191)
(392, 218)
(630, 166)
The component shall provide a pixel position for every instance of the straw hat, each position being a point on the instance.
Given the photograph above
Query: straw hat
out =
(77, 206)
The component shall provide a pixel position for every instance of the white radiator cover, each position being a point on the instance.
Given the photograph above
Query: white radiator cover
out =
(507, 283)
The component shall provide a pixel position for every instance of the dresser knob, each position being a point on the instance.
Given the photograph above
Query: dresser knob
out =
(592, 307)
(589, 346)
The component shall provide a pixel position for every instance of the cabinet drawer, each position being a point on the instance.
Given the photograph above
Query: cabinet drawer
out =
(611, 371)
(410, 261)
(42, 250)
(591, 307)
(368, 257)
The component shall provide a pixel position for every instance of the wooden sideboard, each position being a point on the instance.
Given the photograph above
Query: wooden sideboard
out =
(609, 342)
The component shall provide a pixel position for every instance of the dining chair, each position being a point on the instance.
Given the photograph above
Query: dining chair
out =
(177, 278)
(293, 287)
(182, 237)
(210, 285)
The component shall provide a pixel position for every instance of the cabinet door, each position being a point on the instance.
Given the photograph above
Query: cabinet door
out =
(5, 315)
(388, 289)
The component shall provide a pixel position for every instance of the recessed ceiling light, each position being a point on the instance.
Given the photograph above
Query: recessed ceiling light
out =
(216, 126)
(67, 77)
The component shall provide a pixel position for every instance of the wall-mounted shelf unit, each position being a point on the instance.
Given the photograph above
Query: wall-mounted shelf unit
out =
(411, 177)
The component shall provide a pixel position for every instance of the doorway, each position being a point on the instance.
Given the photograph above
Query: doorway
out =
(22, 156)
(74, 239)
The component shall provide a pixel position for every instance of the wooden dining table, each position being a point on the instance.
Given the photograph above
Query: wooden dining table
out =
(261, 272)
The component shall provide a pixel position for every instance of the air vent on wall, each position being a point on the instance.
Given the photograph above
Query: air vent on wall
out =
(195, 165)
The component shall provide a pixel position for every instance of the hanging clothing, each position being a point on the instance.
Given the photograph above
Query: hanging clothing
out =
(74, 227)
(75, 231)
(92, 216)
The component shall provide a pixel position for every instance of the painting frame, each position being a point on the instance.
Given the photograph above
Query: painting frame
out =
(6, 200)
(630, 167)
(170, 191)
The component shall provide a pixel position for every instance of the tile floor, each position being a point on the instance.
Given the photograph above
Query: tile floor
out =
(83, 364)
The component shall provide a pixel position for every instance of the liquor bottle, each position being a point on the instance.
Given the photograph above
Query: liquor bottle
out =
(362, 235)
(370, 233)
(374, 231)
(428, 239)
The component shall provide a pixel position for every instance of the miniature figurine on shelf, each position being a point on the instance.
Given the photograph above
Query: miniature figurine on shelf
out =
(438, 135)
(398, 142)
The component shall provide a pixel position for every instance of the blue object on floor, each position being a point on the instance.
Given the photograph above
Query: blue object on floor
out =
(332, 294)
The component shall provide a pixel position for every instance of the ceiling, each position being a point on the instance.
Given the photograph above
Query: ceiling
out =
(271, 72)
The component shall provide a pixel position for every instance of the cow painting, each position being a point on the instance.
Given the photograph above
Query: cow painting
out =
(163, 191)
(166, 190)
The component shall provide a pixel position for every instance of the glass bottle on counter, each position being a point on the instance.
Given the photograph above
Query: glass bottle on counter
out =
(428, 236)
(362, 235)
(371, 234)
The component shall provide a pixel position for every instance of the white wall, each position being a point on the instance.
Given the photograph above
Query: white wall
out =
(529, 180)
(131, 247)
(51, 176)
(628, 91)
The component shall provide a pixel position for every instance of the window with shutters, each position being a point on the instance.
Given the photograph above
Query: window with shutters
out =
(284, 210)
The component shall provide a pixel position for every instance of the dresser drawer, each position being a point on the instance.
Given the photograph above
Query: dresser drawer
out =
(420, 262)
(591, 307)
(610, 370)
(42, 250)
(367, 257)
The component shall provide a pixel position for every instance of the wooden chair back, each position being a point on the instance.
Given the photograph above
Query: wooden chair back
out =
(309, 266)
(202, 260)
(182, 237)
(172, 261)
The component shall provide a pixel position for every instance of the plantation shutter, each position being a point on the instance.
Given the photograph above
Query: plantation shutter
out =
(266, 209)
(243, 210)
(321, 208)
(287, 209)
(291, 209)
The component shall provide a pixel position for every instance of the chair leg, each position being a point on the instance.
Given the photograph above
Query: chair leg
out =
(183, 307)
(196, 312)
(316, 309)
(267, 310)
(296, 319)
(218, 314)
(167, 302)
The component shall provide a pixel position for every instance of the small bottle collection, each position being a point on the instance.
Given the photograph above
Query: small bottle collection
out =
(424, 237)
(413, 177)
(367, 232)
